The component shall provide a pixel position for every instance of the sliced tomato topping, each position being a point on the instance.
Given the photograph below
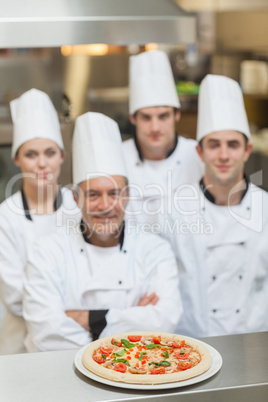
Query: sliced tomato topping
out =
(184, 365)
(158, 370)
(178, 344)
(116, 342)
(134, 338)
(157, 340)
(106, 351)
(121, 367)
(99, 359)
(181, 357)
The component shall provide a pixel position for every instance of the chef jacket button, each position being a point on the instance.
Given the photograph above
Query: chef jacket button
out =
(203, 209)
(178, 162)
(214, 277)
(214, 310)
(248, 208)
(82, 250)
(120, 282)
(137, 163)
(240, 276)
(125, 251)
(237, 311)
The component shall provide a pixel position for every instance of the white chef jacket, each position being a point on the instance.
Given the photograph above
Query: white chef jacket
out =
(158, 179)
(222, 257)
(18, 231)
(66, 273)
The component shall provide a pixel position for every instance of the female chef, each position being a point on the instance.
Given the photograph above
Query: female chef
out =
(40, 207)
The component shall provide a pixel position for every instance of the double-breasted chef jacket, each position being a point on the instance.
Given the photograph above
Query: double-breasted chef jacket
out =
(64, 272)
(18, 231)
(158, 179)
(222, 257)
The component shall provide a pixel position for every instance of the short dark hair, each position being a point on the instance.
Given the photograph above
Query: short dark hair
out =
(245, 137)
(176, 109)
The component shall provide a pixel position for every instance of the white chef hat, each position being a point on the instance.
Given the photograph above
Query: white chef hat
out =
(220, 107)
(34, 116)
(97, 147)
(151, 81)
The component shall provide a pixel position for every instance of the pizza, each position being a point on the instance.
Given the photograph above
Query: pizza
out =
(147, 358)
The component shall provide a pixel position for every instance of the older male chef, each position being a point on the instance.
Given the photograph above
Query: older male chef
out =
(157, 159)
(217, 231)
(100, 278)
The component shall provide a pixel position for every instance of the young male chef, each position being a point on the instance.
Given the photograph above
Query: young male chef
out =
(217, 231)
(157, 159)
(100, 278)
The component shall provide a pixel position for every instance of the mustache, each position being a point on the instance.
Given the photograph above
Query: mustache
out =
(87, 231)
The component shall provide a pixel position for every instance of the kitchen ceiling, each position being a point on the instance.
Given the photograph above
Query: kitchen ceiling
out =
(53, 23)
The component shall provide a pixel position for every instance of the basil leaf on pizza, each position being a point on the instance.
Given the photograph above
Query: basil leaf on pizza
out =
(121, 361)
(141, 356)
(127, 344)
(152, 346)
(151, 358)
(166, 354)
(121, 353)
(162, 363)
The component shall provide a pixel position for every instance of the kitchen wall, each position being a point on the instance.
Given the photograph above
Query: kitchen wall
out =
(81, 82)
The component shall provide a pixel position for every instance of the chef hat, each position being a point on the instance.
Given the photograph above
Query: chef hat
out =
(220, 107)
(151, 81)
(97, 148)
(34, 116)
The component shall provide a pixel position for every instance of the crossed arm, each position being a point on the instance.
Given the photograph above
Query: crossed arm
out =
(82, 316)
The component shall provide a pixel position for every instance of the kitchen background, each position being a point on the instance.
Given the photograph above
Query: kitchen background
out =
(231, 39)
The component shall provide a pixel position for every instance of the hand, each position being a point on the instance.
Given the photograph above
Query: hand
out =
(151, 299)
(80, 316)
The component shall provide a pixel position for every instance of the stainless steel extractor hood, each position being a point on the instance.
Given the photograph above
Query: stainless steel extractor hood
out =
(52, 23)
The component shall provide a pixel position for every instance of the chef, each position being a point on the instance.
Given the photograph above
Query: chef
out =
(101, 278)
(157, 159)
(217, 230)
(40, 207)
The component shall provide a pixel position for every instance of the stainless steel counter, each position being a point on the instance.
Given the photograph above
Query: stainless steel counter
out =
(52, 376)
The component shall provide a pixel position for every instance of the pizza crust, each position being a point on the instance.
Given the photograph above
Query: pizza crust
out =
(112, 375)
